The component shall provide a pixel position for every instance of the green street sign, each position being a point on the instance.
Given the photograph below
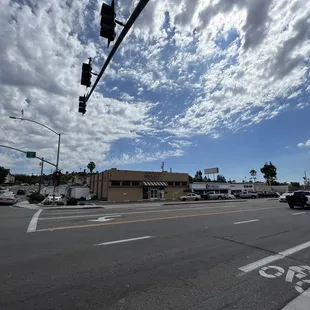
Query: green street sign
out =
(31, 154)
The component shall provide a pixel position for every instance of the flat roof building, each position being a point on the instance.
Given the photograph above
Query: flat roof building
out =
(130, 185)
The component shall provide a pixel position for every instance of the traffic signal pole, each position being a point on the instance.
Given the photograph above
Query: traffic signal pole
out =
(57, 163)
(139, 8)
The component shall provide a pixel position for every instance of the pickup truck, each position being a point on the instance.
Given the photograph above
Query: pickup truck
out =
(252, 195)
(299, 198)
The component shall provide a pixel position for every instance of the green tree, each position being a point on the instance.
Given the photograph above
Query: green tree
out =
(269, 172)
(3, 174)
(91, 166)
(190, 179)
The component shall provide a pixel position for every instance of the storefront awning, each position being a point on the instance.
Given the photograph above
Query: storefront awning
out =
(155, 184)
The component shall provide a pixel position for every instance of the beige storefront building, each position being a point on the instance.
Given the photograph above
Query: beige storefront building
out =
(129, 185)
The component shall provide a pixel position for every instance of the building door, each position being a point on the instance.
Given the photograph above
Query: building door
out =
(154, 193)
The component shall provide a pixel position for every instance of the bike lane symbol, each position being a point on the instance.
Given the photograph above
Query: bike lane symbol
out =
(299, 272)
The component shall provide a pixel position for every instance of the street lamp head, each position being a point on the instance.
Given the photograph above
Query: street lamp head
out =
(13, 117)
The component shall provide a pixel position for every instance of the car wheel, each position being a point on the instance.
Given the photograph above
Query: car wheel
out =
(291, 206)
(183, 199)
(253, 197)
(219, 198)
(196, 199)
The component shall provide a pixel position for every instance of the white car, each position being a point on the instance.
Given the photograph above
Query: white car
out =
(58, 198)
(282, 198)
(190, 196)
(7, 198)
(229, 196)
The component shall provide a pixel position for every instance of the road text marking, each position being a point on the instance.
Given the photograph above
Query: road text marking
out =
(244, 222)
(124, 240)
(299, 213)
(34, 221)
(269, 259)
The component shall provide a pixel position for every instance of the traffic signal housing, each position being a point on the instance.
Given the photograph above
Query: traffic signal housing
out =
(86, 74)
(82, 104)
(57, 177)
(108, 23)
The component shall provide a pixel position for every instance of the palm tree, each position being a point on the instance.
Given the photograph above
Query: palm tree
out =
(91, 166)
(253, 174)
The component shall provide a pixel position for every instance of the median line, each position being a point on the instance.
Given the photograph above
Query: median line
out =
(123, 240)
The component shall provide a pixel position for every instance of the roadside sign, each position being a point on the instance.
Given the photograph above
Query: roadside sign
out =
(31, 154)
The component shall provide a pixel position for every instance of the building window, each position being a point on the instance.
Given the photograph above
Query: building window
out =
(116, 183)
(170, 183)
(135, 183)
(250, 186)
(184, 183)
(126, 183)
(246, 186)
(177, 183)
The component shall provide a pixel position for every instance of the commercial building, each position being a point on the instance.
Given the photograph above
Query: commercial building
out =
(129, 185)
(234, 188)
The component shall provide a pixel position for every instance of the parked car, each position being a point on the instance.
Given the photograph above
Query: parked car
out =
(299, 198)
(229, 196)
(216, 194)
(7, 198)
(30, 192)
(190, 196)
(58, 198)
(21, 192)
(252, 195)
(283, 197)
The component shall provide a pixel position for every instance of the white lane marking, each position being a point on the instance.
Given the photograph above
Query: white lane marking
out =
(34, 221)
(124, 240)
(244, 222)
(299, 213)
(273, 258)
(105, 218)
(134, 212)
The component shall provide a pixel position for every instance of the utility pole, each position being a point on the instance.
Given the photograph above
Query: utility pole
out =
(41, 176)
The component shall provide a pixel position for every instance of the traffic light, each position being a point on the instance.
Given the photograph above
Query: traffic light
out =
(82, 104)
(56, 177)
(108, 23)
(86, 74)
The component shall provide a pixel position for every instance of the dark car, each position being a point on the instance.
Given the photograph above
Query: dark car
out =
(21, 192)
(299, 198)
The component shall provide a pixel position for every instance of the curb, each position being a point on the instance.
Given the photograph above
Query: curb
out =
(201, 202)
(73, 208)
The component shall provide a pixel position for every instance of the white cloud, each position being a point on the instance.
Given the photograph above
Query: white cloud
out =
(305, 144)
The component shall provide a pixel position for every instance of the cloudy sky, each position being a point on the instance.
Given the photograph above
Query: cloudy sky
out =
(196, 84)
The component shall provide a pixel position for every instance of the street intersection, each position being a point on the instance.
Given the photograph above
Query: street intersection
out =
(232, 255)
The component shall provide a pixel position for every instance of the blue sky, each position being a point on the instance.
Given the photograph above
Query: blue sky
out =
(194, 84)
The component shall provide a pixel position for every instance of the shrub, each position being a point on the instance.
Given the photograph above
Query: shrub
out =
(47, 203)
(81, 203)
(60, 203)
(72, 202)
(36, 198)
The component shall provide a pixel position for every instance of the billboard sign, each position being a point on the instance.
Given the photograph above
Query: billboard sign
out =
(211, 170)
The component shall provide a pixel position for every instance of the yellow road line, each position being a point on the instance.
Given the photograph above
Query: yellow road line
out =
(154, 219)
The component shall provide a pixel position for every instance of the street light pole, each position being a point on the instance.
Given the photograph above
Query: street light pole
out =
(40, 183)
(58, 149)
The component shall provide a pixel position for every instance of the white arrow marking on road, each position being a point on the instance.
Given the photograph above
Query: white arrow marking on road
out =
(105, 218)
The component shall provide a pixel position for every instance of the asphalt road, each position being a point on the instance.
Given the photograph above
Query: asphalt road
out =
(234, 255)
